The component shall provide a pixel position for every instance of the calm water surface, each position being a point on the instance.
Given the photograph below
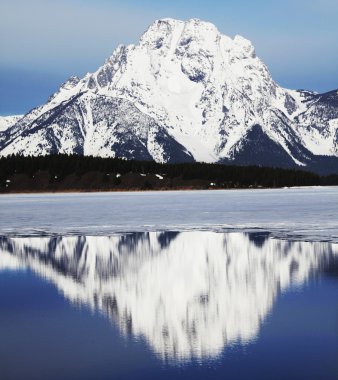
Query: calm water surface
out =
(164, 305)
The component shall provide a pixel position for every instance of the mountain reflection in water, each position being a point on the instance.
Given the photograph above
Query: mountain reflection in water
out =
(188, 294)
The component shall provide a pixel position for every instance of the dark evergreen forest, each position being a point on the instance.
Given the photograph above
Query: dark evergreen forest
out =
(74, 172)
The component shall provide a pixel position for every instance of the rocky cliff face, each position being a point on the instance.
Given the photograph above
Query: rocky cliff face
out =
(184, 93)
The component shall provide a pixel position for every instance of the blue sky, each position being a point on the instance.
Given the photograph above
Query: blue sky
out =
(43, 42)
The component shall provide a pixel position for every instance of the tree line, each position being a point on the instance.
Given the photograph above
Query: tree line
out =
(226, 176)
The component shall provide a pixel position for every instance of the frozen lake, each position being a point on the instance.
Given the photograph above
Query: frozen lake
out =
(297, 213)
(161, 285)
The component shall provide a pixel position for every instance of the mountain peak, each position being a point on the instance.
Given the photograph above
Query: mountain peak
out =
(162, 30)
(185, 92)
(195, 36)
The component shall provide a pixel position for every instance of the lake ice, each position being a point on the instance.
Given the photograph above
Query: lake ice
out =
(295, 213)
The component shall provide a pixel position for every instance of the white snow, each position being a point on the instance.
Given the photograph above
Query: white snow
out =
(8, 121)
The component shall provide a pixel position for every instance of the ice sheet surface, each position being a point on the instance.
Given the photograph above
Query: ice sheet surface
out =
(293, 213)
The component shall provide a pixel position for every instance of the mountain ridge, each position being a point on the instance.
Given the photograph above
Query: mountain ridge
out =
(184, 93)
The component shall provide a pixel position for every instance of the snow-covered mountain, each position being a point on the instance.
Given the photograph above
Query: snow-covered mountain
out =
(187, 294)
(184, 93)
(7, 121)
